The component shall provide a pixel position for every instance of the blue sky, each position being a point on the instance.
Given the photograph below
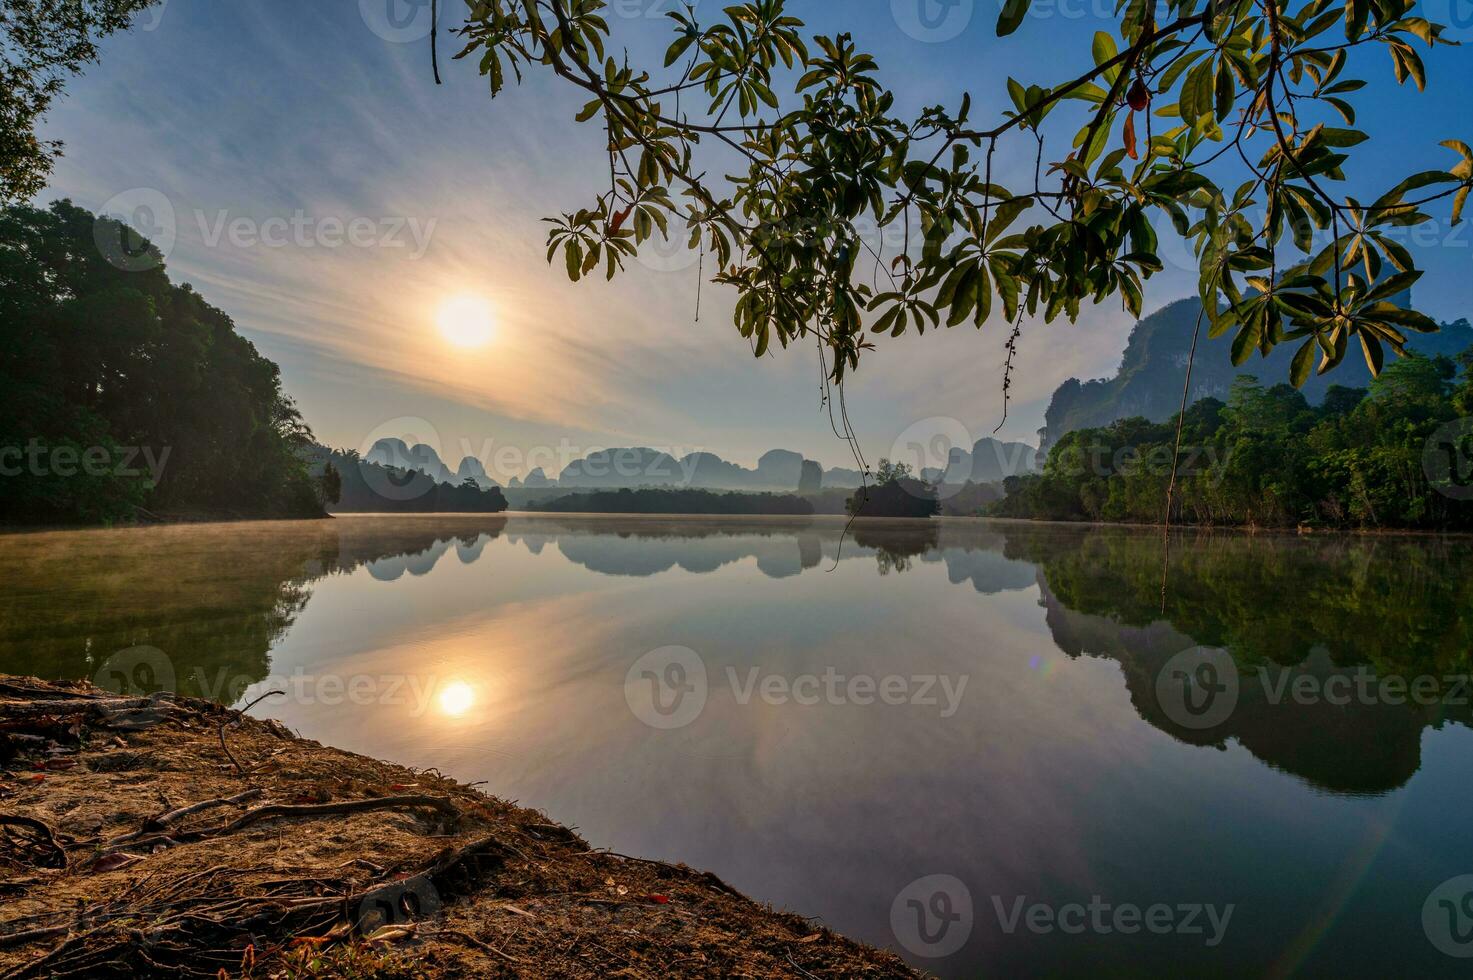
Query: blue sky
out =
(272, 129)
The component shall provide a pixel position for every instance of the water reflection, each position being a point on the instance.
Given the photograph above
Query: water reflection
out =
(496, 649)
(218, 599)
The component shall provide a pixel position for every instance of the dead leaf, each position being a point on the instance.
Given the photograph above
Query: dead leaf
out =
(1139, 96)
(390, 934)
(114, 861)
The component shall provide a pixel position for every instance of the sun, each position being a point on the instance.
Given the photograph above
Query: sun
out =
(466, 320)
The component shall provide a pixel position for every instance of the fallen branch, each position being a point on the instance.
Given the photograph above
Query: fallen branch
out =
(471, 941)
(31, 935)
(72, 706)
(176, 933)
(235, 720)
(46, 837)
(274, 811)
(680, 869)
(165, 820)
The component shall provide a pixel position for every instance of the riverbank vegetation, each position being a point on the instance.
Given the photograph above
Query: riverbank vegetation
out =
(123, 395)
(1394, 456)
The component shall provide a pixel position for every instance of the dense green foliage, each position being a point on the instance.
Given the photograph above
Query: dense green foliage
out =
(895, 493)
(359, 486)
(1148, 381)
(42, 44)
(1266, 457)
(121, 391)
(653, 500)
(970, 499)
(1256, 107)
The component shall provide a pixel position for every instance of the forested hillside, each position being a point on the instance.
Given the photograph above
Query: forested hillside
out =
(1396, 455)
(1149, 381)
(123, 395)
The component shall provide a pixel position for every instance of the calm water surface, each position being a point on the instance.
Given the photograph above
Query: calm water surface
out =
(1004, 705)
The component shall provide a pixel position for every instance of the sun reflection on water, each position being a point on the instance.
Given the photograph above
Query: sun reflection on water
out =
(456, 698)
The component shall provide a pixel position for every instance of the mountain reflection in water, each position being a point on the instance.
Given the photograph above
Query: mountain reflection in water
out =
(1062, 773)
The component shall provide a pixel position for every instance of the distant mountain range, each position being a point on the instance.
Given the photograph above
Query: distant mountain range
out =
(990, 461)
(1149, 380)
(779, 470)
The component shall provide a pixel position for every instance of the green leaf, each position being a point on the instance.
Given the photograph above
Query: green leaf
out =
(678, 48)
(1103, 50)
(1247, 338)
(1196, 93)
(1018, 94)
(1303, 361)
(1013, 12)
(1169, 77)
(1003, 216)
(1226, 89)
(1374, 355)
(965, 297)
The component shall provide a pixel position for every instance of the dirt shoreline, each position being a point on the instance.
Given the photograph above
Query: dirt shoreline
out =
(170, 836)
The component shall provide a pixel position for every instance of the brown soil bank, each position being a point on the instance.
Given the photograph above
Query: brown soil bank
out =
(169, 836)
